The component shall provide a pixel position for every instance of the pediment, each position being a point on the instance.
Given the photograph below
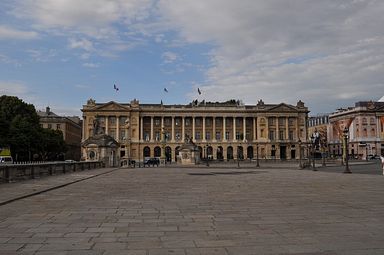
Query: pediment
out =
(282, 108)
(112, 106)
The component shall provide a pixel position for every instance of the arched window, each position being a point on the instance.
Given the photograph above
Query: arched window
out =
(146, 151)
(157, 151)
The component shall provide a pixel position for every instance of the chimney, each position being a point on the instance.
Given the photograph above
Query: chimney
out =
(47, 110)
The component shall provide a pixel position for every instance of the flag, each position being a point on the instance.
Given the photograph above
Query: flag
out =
(165, 90)
(198, 90)
(115, 87)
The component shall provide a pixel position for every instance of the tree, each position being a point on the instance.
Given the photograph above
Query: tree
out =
(20, 131)
(52, 145)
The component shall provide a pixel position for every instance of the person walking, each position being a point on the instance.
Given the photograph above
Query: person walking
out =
(382, 162)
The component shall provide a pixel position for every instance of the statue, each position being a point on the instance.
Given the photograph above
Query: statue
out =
(96, 127)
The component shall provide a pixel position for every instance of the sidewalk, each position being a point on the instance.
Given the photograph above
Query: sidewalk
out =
(10, 192)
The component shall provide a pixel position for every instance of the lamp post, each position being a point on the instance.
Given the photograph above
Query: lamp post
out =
(323, 153)
(345, 134)
(238, 156)
(300, 166)
(257, 155)
(206, 155)
(163, 145)
(313, 152)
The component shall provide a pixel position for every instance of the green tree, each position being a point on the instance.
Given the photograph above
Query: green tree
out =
(20, 131)
(52, 144)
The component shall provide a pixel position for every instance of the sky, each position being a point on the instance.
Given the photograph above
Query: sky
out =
(60, 53)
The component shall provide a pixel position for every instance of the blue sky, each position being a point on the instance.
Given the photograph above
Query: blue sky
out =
(57, 53)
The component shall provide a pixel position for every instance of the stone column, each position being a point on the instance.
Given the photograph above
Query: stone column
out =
(173, 129)
(152, 129)
(286, 128)
(118, 128)
(234, 128)
(244, 128)
(193, 129)
(224, 131)
(141, 129)
(183, 128)
(214, 129)
(106, 125)
(254, 129)
(277, 129)
(204, 140)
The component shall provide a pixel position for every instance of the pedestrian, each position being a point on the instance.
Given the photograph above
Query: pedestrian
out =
(382, 162)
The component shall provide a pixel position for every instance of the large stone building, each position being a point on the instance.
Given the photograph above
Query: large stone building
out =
(365, 124)
(221, 131)
(69, 126)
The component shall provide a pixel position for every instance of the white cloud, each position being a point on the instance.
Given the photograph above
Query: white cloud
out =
(317, 51)
(91, 65)
(83, 44)
(93, 18)
(11, 33)
(169, 57)
(13, 88)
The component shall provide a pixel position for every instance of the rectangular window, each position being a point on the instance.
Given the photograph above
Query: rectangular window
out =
(281, 134)
(290, 135)
(157, 136)
(218, 136)
(187, 122)
(197, 121)
(271, 135)
(122, 134)
(271, 121)
(112, 133)
(178, 136)
(146, 136)
(281, 121)
(177, 121)
(58, 126)
(208, 135)
(227, 135)
(197, 136)
(157, 122)
(112, 120)
(237, 135)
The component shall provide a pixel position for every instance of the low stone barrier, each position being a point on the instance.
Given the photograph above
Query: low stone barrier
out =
(17, 172)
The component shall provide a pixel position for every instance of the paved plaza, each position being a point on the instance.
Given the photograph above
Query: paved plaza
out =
(188, 211)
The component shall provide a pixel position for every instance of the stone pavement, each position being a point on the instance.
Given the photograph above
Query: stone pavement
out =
(189, 211)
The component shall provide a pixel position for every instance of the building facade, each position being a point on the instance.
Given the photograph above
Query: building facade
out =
(69, 126)
(365, 124)
(222, 131)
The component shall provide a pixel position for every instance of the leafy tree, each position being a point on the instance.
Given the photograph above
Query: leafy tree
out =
(20, 130)
(52, 145)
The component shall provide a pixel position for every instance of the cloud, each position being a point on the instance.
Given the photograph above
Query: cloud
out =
(83, 44)
(11, 33)
(93, 18)
(13, 88)
(91, 65)
(323, 52)
(169, 57)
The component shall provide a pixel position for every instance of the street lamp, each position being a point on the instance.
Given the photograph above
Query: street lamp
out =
(163, 145)
(257, 155)
(238, 156)
(313, 140)
(345, 134)
(300, 166)
(206, 155)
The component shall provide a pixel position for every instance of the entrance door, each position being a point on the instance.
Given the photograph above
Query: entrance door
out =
(283, 152)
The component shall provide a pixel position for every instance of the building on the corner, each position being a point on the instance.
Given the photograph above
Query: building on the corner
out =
(221, 131)
(70, 126)
(365, 125)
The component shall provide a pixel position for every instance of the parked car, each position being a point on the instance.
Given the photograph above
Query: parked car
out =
(373, 157)
(6, 160)
(151, 161)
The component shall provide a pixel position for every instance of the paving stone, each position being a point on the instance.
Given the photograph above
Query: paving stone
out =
(168, 211)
